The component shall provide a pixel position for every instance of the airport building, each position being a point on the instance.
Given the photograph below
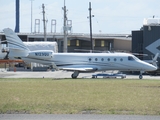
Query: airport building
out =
(147, 40)
(77, 41)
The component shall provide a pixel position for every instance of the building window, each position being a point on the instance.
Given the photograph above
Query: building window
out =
(68, 42)
(102, 43)
(77, 42)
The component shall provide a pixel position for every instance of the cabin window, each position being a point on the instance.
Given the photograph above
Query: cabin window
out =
(108, 59)
(96, 59)
(135, 58)
(102, 59)
(121, 59)
(90, 59)
(115, 59)
(130, 58)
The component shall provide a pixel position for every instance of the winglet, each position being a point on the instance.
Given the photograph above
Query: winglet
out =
(155, 59)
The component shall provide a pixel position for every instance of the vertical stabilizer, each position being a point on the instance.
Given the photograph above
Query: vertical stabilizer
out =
(15, 44)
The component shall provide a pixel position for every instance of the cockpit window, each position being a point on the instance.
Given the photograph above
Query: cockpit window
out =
(130, 58)
(136, 58)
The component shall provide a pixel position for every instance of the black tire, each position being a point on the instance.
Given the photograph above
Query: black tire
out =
(74, 77)
(140, 76)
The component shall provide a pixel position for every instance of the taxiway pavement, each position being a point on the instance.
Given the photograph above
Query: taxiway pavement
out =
(59, 74)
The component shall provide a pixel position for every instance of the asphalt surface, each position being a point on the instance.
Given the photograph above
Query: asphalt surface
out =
(75, 117)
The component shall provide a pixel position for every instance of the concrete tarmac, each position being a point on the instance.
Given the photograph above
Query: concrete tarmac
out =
(60, 74)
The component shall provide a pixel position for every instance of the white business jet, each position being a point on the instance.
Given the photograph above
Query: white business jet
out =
(76, 62)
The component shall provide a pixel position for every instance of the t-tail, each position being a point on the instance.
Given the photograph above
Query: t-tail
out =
(17, 48)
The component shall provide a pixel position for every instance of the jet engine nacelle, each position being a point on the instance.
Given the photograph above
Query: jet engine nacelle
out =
(47, 54)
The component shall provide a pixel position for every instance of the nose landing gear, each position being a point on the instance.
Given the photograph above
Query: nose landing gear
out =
(140, 75)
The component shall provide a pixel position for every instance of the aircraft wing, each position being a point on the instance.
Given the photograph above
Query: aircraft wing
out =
(79, 68)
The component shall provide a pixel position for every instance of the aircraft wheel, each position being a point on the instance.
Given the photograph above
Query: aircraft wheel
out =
(73, 76)
(140, 76)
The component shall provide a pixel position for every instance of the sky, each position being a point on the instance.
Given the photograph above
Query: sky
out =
(110, 16)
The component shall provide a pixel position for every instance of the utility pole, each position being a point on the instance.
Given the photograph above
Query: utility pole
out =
(44, 22)
(31, 15)
(65, 29)
(90, 19)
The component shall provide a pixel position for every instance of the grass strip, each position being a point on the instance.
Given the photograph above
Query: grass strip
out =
(80, 96)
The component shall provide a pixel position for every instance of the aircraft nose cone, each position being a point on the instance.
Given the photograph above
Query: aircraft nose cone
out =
(154, 68)
(148, 67)
(151, 67)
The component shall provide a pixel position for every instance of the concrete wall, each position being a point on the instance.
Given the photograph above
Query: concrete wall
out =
(122, 45)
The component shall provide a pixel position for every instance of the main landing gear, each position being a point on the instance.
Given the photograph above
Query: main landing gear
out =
(140, 76)
(75, 74)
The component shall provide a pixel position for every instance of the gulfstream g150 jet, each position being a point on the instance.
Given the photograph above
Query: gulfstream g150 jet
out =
(76, 62)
